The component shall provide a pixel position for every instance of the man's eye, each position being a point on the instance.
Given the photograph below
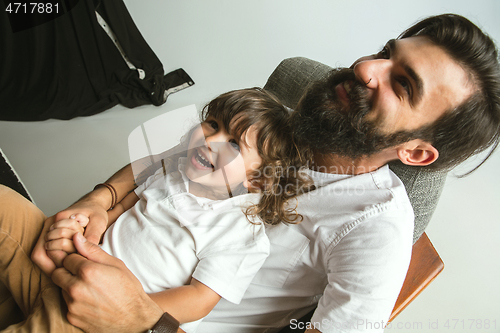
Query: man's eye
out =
(235, 145)
(384, 53)
(406, 86)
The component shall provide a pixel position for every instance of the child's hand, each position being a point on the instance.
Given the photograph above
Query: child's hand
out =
(59, 239)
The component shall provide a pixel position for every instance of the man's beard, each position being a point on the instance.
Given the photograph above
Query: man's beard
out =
(326, 126)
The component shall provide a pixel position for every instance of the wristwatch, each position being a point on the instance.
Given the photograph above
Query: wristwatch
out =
(166, 324)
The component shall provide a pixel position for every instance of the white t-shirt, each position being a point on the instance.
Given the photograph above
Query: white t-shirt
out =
(349, 256)
(171, 235)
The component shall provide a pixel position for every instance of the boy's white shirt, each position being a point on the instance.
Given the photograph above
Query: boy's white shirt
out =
(171, 235)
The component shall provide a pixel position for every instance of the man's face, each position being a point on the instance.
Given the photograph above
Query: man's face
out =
(383, 99)
(411, 83)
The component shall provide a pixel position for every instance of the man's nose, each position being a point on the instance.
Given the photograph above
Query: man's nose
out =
(374, 73)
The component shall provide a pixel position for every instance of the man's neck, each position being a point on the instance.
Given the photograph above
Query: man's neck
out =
(331, 163)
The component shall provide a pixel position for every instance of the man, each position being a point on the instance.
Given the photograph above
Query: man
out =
(430, 98)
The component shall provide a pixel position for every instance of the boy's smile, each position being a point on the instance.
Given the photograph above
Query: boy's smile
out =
(217, 161)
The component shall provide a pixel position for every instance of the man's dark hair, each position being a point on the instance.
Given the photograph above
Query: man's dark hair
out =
(473, 126)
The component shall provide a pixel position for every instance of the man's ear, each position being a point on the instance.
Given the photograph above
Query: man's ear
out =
(417, 153)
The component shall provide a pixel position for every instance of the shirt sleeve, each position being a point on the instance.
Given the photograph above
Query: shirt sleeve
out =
(236, 253)
(366, 270)
(151, 179)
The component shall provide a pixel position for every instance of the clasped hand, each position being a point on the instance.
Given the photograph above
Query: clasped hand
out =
(59, 238)
(87, 214)
(102, 295)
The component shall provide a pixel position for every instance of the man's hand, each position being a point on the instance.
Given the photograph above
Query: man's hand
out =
(102, 294)
(39, 254)
(48, 256)
(59, 238)
(93, 206)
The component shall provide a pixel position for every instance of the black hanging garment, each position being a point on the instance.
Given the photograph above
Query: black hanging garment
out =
(82, 58)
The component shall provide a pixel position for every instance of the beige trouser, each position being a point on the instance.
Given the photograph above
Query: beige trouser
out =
(29, 300)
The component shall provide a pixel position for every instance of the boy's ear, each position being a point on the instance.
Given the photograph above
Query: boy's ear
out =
(250, 187)
(417, 153)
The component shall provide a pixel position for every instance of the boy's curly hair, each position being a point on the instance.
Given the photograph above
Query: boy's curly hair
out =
(281, 175)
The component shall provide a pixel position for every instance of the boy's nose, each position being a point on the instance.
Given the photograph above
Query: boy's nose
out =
(217, 140)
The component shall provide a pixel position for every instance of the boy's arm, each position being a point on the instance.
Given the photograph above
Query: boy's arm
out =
(121, 207)
(187, 303)
(96, 203)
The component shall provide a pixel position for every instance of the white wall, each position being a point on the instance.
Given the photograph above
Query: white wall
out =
(229, 44)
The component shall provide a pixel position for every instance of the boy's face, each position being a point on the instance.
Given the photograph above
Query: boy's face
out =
(216, 160)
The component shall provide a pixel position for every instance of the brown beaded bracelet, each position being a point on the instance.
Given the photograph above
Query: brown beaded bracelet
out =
(114, 195)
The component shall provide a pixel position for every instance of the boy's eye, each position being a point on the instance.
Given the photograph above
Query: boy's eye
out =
(235, 145)
(213, 124)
